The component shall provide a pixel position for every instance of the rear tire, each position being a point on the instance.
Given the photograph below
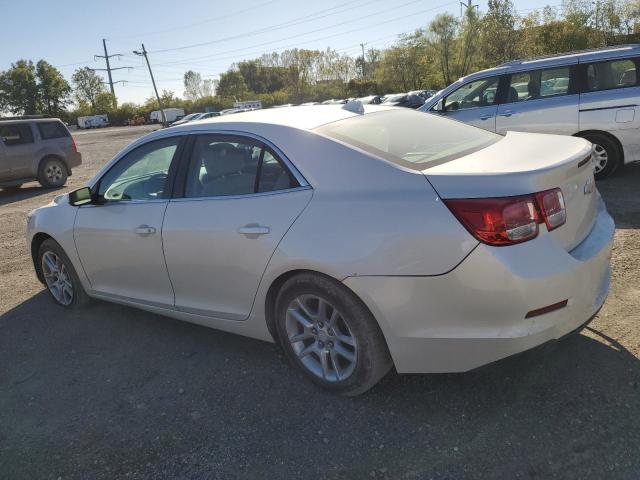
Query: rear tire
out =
(60, 277)
(607, 155)
(52, 172)
(327, 332)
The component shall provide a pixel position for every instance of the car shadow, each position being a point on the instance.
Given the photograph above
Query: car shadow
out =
(23, 193)
(622, 196)
(117, 390)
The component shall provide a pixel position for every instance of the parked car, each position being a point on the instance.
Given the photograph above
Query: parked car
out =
(340, 249)
(204, 116)
(592, 94)
(187, 118)
(403, 100)
(371, 100)
(36, 149)
(423, 93)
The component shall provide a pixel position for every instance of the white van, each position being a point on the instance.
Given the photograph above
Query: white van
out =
(593, 94)
(171, 115)
(93, 121)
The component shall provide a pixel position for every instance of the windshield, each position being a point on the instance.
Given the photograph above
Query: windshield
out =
(409, 138)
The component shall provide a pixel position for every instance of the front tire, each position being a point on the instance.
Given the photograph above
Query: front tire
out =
(52, 173)
(607, 155)
(60, 277)
(327, 332)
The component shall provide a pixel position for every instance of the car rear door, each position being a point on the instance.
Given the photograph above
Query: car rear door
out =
(540, 101)
(119, 240)
(239, 198)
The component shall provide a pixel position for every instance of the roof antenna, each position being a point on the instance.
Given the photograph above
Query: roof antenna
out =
(354, 106)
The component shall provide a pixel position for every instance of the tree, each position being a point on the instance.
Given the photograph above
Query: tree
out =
(195, 87)
(444, 30)
(19, 89)
(54, 90)
(87, 85)
(231, 84)
(498, 38)
(105, 102)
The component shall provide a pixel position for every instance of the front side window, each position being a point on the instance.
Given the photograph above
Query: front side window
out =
(538, 84)
(142, 173)
(16, 134)
(49, 130)
(227, 165)
(479, 93)
(611, 74)
(410, 138)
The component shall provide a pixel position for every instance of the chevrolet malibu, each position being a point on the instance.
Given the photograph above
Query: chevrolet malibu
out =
(357, 238)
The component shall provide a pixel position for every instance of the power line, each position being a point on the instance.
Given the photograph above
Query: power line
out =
(193, 60)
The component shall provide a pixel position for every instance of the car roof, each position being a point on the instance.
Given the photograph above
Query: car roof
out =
(557, 59)
(301, 117)
(29, 120)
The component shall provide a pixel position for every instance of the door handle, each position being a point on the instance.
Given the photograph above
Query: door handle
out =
(506, 113)
(253, 230)
(485, 117)
(145, 230)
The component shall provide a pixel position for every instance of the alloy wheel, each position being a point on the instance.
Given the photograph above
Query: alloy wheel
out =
(53, 172)
(57, 278)
(321, 338)
(600, 157)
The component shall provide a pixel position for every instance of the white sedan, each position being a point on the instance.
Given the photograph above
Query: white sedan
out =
(358, 238)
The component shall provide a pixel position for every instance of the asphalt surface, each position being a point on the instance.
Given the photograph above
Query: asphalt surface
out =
(113, 392)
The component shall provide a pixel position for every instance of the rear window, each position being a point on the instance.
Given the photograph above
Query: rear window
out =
(49, 130)
(412, 139)
(611, 74)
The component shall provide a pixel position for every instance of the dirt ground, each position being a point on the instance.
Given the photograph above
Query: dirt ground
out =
(113, 392)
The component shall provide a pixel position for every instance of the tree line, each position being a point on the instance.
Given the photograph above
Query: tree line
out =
(429, 58)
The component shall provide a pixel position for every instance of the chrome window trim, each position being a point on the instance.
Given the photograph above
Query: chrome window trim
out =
(244, 195)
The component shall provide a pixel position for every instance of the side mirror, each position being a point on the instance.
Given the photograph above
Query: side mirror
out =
(82, 196)
(439, 107)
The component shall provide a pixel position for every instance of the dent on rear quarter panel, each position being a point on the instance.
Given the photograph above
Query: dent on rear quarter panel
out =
(367, 217)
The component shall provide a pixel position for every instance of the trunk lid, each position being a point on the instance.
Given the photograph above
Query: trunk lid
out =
(525, 163)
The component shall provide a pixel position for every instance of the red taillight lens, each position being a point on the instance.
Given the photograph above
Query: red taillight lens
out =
(509, 220)
(73, 142)
(551, 205)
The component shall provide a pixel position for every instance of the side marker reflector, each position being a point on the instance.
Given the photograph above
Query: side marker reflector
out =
(547, 309)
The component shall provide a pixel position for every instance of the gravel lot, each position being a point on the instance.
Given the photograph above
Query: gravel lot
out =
(113, 392)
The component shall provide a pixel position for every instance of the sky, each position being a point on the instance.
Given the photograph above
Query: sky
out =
(200, 35)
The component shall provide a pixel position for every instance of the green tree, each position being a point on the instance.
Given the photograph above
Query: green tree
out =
(231, 84)
(104, 102)
(498, 37)
(53, 89)
(87, 85)
(19, 89)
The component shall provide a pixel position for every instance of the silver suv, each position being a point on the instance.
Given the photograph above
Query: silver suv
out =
(36, 149)
(592, 94)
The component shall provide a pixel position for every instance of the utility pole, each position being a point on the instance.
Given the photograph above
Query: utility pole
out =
(466, 6)
(363, 70)
(144, 54)
(106, 56)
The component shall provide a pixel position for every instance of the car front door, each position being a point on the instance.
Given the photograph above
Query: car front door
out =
(475, 103)
(540, 101)
(19, 150)
(240, 198)
(119, 238)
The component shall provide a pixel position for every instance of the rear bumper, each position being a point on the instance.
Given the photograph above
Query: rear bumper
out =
(74, 160)
(475, 314)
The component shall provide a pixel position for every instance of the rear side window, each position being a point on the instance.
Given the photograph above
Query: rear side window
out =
(49, 130)
(16, 134)
(538, 84)
(412, 139)
(611, 74)
(223, 165)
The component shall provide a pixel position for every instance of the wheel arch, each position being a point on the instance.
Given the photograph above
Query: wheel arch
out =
(609, 135)
(276, 285)
(36, 242)
(57, 157)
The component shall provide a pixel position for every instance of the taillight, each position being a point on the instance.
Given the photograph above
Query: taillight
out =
(551, 204)
(509, 220)
(73, 143)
